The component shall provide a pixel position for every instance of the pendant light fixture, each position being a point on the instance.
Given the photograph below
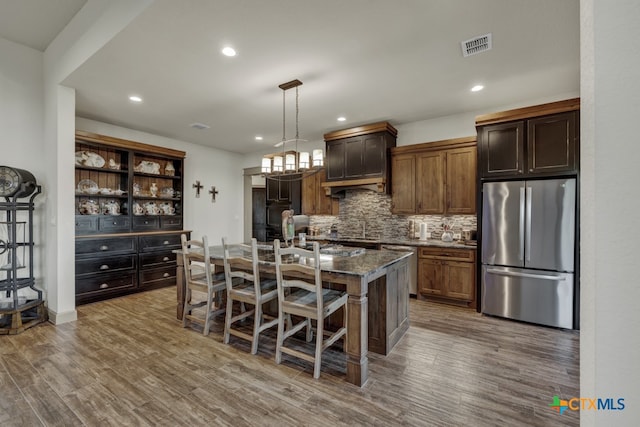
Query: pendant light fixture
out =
(290, 161)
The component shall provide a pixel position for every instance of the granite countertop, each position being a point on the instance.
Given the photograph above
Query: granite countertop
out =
(398, 241)
(362, 264)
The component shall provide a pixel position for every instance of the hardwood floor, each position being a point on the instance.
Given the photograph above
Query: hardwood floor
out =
(128, 361)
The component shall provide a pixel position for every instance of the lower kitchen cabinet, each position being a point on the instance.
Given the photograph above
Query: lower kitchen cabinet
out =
(448, 275)
(107, 267)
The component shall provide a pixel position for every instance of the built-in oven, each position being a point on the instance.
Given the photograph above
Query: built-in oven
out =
(413, 264)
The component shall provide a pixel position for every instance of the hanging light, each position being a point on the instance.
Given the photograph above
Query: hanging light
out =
(318, 158)
(291, 161)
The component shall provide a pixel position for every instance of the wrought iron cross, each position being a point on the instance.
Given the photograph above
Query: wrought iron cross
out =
(213, 193)
(198, 187)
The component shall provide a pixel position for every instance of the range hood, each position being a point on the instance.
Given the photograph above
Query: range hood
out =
(338, 188)
(359, 158)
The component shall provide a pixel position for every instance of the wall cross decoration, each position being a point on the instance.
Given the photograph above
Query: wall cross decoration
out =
(213, 193)
(198, 187)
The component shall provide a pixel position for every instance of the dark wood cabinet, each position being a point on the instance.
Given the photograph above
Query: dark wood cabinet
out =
(128, 216)
(285, 189)
(358, 157)
(434, 178)
(502, 149)
(552, 143)
(359, 153)
(537, 144)
(447, 274)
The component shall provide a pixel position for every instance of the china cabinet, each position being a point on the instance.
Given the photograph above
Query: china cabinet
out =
(128, 215)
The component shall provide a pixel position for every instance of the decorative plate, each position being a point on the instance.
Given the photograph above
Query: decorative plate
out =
(89, 158)
(87, 186)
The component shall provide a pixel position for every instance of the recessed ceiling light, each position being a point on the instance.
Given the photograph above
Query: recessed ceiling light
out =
(477, 88)
(258, 138)
(229, 51)
(342, 119)
(135, 98)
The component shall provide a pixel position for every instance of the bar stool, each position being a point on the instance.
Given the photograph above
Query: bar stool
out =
(306, 298)
(244, 284)
(200, 277)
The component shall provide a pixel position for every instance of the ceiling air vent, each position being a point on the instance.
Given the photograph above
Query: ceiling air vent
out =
(199, 126)
(476, 45)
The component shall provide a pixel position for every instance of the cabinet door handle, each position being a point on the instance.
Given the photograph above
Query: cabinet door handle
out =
(104, 247)
(166, 258)
(104, 267)
(104, 286)
(166, 242)
(166, 275)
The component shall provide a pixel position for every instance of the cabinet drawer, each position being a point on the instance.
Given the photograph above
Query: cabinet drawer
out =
(105, 264)
(86, 224)
(164, 276)
(108, 245)
(170, 223)
(165, 241)
(114, 223)
(106, 283)
(146, 222)
(452, 254)
(157, 259)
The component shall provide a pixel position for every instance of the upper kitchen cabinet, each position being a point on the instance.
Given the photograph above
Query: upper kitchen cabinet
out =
(535, 141)
(314, 199)
(434, 178)
(359, 154)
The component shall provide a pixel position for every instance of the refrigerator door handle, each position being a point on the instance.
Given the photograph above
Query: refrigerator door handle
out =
(521, 227)
(528, 230)
(560, 278)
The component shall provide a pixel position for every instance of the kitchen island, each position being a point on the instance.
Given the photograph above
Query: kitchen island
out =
(378, 304)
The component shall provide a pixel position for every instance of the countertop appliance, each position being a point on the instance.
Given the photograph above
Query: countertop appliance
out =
(528, 250)
(413, 264)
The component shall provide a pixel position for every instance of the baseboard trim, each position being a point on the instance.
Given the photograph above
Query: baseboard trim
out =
(60, 318)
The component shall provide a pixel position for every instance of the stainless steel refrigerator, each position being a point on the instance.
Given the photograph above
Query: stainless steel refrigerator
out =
(528, 250)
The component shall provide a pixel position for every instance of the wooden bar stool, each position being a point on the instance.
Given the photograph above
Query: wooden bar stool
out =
(245, 285)
(300, 293)
(199, 276)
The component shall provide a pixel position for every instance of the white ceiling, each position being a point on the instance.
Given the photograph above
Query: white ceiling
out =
(35, 23)
(369, 60)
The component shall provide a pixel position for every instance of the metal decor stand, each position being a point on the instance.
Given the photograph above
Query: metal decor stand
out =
(18, 312)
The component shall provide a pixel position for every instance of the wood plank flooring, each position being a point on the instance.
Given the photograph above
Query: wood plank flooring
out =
(128, 361)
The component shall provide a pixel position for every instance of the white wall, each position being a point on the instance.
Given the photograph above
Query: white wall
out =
(609, 339)
(211, 167)
(22, 129)
(94, 25)
(459, 125)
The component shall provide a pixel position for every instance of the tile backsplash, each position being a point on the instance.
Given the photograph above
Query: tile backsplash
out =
(373, 209)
